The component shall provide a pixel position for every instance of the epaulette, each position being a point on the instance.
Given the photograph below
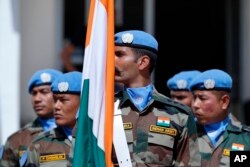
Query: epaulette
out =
(181, 107)
(41, 136)
(246, 128)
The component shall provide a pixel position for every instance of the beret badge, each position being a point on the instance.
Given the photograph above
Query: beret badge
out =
(45, 77)
(182, 84)
(127, 38)
(209, 84)
(63, 86)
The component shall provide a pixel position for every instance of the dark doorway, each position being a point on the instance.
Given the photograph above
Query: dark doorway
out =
(191, 35)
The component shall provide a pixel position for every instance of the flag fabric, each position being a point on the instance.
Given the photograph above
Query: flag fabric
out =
(237, 147)
(163, 121)
(93, 144)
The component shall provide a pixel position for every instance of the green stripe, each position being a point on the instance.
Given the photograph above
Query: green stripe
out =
(86, 153)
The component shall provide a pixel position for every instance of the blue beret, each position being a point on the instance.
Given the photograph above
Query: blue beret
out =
(213, 79)
(69, 83)
(136, 39)
(181, 80)
(43, 77)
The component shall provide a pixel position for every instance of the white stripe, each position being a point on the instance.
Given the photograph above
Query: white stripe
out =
(94, 69)
(119, 139)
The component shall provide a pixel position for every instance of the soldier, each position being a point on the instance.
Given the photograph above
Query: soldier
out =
(218, 132)
(179, 86)
(159, 131)
(53, 148)
(42, 102)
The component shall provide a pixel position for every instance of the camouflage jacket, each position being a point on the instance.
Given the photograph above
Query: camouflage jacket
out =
(236, 136)
(153, 143)
(17, 143)
(51, 148)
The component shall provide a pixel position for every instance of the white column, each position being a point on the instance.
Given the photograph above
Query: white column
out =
(245, 51)
(244, 93)
(9, 68)
(149, 16)
(149, 21)
(42, 29)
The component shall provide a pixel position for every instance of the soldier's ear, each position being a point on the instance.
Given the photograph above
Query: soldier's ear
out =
(143, 62)
(225, 101)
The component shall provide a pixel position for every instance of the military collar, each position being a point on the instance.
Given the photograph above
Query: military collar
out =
(234, 126)
(124, 97)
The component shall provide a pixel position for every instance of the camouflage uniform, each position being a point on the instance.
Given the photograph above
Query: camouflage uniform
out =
(71, 152)
(219, 155)
(17, 143)
(48, 149)
(154, 145)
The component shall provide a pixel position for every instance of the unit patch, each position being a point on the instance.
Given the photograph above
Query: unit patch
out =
(163, 130)
(128, 125)
(52, 157)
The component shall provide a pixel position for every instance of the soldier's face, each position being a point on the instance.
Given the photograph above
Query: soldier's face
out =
(66, 107)
(42, 101)
(208, 107)
(126, 66)
(184, 97)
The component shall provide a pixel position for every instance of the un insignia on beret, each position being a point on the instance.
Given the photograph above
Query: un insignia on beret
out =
(63, 86)
(127, 38)
(45, 77)
(209, 84)
(182, 84)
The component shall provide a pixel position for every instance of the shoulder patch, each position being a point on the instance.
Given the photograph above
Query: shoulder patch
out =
(23, 158)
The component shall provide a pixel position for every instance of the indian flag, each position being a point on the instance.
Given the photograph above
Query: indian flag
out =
(163, 121)
(95, 122)
(237, 147)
